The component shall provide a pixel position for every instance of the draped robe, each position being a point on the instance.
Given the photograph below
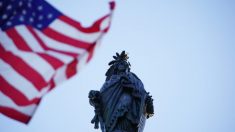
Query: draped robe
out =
(123, 103)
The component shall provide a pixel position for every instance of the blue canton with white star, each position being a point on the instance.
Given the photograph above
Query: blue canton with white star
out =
(36, 13)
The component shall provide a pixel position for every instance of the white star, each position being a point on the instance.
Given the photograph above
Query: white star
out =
(9, 23)
(24, 12)
(33, 13)
(49, 16)
(4, 16)
(40, 8)
(29, 5)
(31, 19)
(20, 3)
(39, 25)
(12, 18)
(21, 18)
(40, 17)
(14, 13)
(0, 3)
(9, 7)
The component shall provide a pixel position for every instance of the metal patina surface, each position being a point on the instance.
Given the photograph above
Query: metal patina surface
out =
(122, 104)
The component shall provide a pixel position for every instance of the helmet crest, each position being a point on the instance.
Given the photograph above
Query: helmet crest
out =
(118, 65)
(119, 57)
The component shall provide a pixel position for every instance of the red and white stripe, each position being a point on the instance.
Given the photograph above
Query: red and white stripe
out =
(32, 62)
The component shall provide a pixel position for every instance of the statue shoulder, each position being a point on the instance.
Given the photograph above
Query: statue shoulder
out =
(135, 75)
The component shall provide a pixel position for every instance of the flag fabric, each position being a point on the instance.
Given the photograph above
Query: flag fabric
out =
(39, 48)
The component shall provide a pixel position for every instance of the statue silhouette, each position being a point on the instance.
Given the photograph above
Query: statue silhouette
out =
(122, 104)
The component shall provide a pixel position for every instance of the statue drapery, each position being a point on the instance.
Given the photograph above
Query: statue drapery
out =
(122, 104)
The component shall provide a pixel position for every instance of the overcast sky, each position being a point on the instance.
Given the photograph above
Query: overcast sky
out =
(183, 51)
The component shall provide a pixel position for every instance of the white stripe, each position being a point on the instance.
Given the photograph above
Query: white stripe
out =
(60, 75)
(72, 32)
(33, 60)
(29, 38)
(5, 101)
(105, 23)
(38, 64)
(82, 60)
(62, 57)
(19, 82)
(58, 45)
(10, 46)
(6, 42)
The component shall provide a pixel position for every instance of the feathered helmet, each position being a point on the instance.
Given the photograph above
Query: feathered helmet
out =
(119, 64)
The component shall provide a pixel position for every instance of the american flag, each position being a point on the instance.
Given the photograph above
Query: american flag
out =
(39, 48)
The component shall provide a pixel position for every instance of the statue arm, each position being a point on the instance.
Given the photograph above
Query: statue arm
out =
(149, 105)
(94, 100)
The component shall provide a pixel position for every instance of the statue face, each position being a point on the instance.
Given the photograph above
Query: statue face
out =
(122, 66)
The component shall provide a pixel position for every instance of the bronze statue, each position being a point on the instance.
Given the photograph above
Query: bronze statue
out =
(122, 104)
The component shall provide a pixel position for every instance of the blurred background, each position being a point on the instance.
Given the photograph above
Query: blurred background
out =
(183, 51)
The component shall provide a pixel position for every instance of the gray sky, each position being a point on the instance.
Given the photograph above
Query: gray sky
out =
(183, 51)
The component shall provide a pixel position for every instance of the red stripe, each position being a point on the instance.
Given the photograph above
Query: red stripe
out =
(106, 30)
(18, 97)
(55, 63)
(64, 39)
(66, 53)
(21, 44)
(71, 68)
(12, 113)
(93, 28)
(23, 68)
(18, 40)
(91, 52)
(99, 21)
(78, 26)
(37, 37)
(52, 85)
(44, 46)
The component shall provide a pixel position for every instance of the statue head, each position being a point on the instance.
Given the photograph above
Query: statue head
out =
(118, 65)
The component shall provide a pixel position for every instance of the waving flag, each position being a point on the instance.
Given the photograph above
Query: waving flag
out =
(39, 48)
